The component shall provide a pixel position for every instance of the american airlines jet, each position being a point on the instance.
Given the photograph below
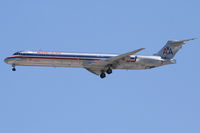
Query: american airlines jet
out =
(99, 64)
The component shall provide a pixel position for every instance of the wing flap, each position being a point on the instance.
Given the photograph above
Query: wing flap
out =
(94, 71)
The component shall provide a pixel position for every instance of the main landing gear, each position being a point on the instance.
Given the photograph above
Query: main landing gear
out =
(13, 69)
(108, 71)
(102, 75)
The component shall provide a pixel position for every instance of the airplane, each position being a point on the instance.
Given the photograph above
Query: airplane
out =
(99, 64)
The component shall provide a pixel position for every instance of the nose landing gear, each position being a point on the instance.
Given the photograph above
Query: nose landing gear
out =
(13, 69)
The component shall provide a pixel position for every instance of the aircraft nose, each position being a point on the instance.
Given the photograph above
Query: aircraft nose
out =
(6, 60)
(9, 60)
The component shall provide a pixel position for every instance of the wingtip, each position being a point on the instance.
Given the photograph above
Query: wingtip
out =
(141, 48)
(138, 50)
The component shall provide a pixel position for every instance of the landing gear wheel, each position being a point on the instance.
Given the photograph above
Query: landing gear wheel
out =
(102, 75)
(13, 69)
(109, 71)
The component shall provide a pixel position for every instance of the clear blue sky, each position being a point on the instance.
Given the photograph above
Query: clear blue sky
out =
(49, 100)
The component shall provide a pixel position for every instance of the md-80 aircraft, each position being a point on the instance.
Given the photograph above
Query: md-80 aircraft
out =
(99, 64)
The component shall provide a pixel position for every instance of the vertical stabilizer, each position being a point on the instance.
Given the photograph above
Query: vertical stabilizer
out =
(171, 48)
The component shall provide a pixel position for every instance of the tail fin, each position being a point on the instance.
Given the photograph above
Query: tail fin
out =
(171, 48)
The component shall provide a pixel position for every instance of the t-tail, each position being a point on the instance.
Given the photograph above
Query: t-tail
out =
(171, 48)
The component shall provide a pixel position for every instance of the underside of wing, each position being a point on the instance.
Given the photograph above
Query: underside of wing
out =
(94, 70)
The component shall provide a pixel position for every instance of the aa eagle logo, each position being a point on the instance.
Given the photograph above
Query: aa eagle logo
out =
(167, 51)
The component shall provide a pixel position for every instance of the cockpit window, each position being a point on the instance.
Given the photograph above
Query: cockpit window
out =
(17, 53)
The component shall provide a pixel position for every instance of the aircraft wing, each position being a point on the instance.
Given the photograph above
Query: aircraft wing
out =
(98, 67)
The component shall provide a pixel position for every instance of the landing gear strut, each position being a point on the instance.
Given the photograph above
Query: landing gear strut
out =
(13, 69)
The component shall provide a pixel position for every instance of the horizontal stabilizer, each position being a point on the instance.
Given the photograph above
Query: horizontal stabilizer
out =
(181, 41)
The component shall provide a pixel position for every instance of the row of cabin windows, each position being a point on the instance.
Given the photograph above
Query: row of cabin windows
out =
(18, 53)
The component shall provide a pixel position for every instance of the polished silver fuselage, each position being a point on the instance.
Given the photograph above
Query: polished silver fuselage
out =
(81, 60)
(99, 64)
